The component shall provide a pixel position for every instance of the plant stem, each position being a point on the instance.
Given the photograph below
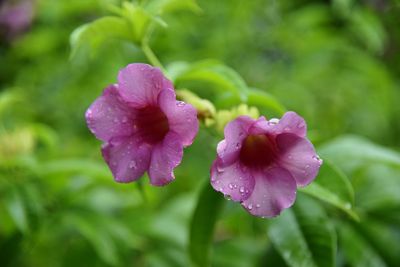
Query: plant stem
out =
(151, 57)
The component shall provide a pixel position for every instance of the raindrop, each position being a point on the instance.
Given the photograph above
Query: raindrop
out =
(241, 189)
(258, 205)
(125, 119)
(287, 129)
(250, 206)
(230, 186)
(273, 121)
(235, 186)
(301, 125)
(289, 156)
(132, 164)
(317, 158)
(237, 145)
(228, 197)
(116, 120)
(180, 103)
(307, 166)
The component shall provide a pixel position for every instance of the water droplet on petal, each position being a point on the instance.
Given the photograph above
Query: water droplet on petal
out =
(241, 189)
(230, 186)
(124, 119)
(273, 121)
(250, 206)
(317, 158)
(258, 205)
(289, 156)
(228, 197)
(132, 164)
(180, 103)
(235, 186)
(301, 125)
(286, 129)
(116, 120)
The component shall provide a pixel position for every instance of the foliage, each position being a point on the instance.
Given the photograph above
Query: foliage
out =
(332, 62)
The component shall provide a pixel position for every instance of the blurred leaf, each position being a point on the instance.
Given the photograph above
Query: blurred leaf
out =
(351, 151)
(17, 210)
(165, 6)
(333, 187)
(256, 97)
(202, 226)
(94, 34)
(356, 249)
(286, 236)
(223, 78)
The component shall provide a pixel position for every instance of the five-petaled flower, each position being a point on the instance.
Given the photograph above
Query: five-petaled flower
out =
(260, 163)
(142, 124)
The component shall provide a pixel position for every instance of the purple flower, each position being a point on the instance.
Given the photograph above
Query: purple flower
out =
(15, 17)
(260, 163)
(143, 126)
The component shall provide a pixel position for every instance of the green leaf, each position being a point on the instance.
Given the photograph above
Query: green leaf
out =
(317, 229)
(223, 78)
(303, 236)
(333, 187)
(94, 34)
(350, 152)
(202, 225)
(167, 6)
(357, 250)
(17, 210)
(286, 236)
(258, 98)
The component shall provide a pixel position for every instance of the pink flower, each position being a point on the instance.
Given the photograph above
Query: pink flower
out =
(143, 126)
(261, 163)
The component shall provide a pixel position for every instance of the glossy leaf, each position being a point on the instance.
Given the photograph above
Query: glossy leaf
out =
(304, 235)
(202, 226)
(333, 187)
(166, 6)
(94, 34)
(223, 78)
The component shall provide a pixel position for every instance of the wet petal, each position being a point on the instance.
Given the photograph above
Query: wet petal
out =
(165, 157)
(109, 116)
(274, 191)
(182, 117)
(298, 156)
(140, 84)
(235, 132)
(127, 158)
(233, 181)
(291, 122)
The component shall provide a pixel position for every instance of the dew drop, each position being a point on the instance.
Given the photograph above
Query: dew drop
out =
(180, 103)
(230, 186)
(228, 197)
(317, 158)
(132, 164)
(301, 125)
(258, 205)
(250, 206)
(241, 189)
(286, 129)
(273, 121)
(235, 186)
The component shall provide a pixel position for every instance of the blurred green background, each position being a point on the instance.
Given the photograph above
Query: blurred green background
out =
(337, 63)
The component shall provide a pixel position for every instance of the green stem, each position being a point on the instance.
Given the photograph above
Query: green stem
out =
(151, 57)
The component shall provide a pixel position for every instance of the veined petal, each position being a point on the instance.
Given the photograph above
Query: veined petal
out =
(234, 181)
(128, 158)
(109, 116)
(140, 84)
(235, 132)
(165, 157)
(182, 117)
(274, 190)
(298, 156)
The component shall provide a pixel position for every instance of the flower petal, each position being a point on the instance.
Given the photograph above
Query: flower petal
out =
(140, 84)
(274, 191)
(235, 132)
(298, 156)
(182, 117)
(291, 122)
(128, 158)
(109, 116)
(233, 181)
(165, 157)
